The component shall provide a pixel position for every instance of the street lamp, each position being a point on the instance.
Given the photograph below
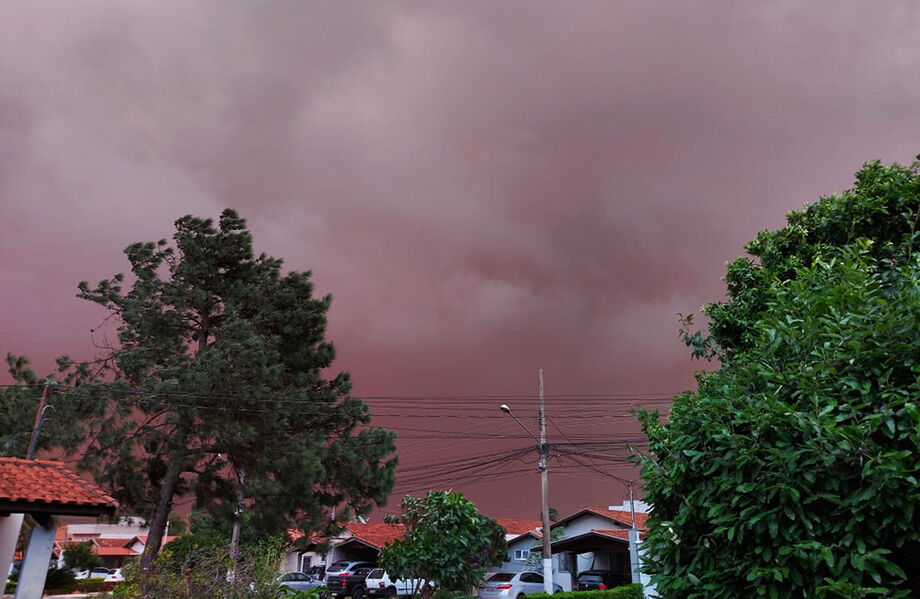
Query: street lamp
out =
(544, 487)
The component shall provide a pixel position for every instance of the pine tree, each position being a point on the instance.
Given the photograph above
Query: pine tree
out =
(215, 387)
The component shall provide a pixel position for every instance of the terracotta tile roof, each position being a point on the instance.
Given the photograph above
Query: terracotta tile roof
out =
(517, 526)
(111, 542)
(621, 516)
(295, 534)
(49, 486)
(619, 533)
(376, 535)
(109, 551)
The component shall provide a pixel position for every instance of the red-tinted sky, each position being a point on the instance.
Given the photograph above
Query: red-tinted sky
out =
(486, 188)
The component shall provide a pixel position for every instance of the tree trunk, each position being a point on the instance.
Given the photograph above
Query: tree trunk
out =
(160, 516)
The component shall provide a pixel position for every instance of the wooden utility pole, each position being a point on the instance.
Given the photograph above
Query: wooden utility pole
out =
(39, 419)
(544, 488)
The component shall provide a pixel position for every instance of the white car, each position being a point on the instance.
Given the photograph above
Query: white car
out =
(379, 584)
(512, 585)
(94, 573)
(115, 576)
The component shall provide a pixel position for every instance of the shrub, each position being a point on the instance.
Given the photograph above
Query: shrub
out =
(80, 556)
(206, 572)
(792, 471)
(59, 580)
(630, 591)
(92, 585)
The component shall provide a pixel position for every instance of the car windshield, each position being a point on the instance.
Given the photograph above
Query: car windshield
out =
(590, 577)
(501, 577)
(338, 567)
(376, 573)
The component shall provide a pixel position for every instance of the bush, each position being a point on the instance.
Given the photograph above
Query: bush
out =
(59, 580)
(630, 591)
(93, 585)
(206, 572)
(792, 471)
(80, 556)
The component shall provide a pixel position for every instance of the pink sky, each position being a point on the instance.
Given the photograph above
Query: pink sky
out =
(485, 188)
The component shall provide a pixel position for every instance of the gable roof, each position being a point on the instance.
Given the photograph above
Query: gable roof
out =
(376, 535)
(517, 526)
(620, 517)
(41, 486)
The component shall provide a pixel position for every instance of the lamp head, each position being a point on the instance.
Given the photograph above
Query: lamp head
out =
(505, 408)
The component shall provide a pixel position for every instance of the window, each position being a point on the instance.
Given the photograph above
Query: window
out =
(521, 554)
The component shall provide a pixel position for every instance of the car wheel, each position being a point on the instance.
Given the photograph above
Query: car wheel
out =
(520, 596)
(389, 593)
(357, 593)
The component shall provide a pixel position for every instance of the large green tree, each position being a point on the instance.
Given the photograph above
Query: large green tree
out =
(215, 386)
(448, 543)
(792, 471)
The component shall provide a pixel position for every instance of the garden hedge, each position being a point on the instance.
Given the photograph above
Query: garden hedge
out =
(631, 591)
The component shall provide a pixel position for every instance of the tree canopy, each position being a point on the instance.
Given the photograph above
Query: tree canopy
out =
(215, 386)
(80, 556)
(792, 470)
(448, 543)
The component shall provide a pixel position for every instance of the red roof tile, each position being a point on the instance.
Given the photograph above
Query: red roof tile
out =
(48, 484)
(621, 516)
(517, 526)
(108, 551)
(620, 533)
(376, 535)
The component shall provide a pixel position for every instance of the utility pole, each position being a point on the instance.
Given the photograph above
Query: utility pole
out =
(544, 489)
(543, 451)
(39, 420)
(633, 538)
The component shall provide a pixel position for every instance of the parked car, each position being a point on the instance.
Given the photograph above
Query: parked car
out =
(299, 581)
(115, 576)
(348, 583)
(512, 585)
(590, 580)
(379, 584)
(343, 568)
(97, 572)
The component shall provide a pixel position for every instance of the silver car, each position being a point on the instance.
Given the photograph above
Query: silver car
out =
(299, 581)
(512, 585)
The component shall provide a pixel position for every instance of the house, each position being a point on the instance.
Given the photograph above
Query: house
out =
(597, 538)
(362, 541)
(42, 489)
(520, 536)
(357, 541)
(115, 544)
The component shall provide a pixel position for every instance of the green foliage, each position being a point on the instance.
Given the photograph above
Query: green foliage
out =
(177, 525)
(311, 593)
(94, 585)
(630, 591)
(448, 543)
(882, 211)
(216, 387)
(792, 470)
(60, 580)
(80, 556)
(206, 572)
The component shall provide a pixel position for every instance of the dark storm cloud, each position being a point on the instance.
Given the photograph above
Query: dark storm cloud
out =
(546, 184)
(486, 188)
